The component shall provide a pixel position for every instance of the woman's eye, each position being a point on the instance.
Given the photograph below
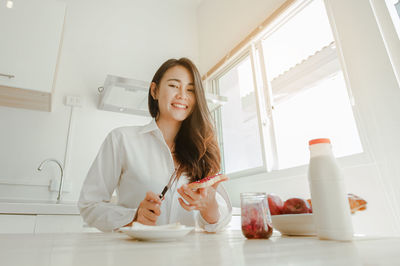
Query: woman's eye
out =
(173, 86)
(190, 90)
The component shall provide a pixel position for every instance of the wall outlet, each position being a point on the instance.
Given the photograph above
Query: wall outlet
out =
(73, 101)
(55, 185)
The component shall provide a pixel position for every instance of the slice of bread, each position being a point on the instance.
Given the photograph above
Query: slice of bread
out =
(207, 181)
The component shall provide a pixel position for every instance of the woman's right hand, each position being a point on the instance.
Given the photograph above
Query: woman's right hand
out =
(149, 209)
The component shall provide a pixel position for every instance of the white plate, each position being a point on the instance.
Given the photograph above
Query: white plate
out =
(157, 235)
(294, 224)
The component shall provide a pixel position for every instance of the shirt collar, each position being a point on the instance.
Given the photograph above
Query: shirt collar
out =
(152, 126)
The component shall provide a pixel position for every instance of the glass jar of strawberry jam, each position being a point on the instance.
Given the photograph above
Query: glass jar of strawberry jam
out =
(256, 219)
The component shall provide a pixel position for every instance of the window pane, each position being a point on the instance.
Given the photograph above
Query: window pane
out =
(394, 11)
(321, 111)
(240, 131)
(309, 93)
(308, 31)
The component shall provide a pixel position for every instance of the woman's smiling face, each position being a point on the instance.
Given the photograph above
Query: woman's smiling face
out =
(175, 94)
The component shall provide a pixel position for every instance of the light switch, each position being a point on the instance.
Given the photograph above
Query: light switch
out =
(73, 101)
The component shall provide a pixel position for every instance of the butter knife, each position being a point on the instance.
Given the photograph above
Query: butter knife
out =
(171, 181)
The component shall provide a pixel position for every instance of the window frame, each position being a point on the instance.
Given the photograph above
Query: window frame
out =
(264, 101)
(214, 84)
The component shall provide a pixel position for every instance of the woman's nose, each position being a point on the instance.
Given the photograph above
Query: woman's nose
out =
(182, 94)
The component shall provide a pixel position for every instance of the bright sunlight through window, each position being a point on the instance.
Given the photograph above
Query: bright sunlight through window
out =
(240, 131)
(321, 111)
(309, 98)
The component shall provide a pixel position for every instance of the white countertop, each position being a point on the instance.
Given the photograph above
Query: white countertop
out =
(21, 206)
(197, 248)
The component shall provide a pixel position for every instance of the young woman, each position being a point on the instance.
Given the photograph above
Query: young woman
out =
(138, 161)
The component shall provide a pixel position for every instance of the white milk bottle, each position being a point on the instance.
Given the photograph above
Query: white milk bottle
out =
(331, 209)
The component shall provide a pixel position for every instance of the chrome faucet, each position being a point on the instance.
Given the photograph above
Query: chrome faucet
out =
(62, 175)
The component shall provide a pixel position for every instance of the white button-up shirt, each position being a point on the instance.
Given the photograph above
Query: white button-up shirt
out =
(133, 160)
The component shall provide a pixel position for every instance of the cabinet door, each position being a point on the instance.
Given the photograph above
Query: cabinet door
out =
(29, 43)
(59, 224)
(12, 224)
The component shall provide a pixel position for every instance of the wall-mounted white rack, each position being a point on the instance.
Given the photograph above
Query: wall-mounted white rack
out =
(126, 95)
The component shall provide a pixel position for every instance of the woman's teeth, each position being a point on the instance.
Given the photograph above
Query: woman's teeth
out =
(177, 105)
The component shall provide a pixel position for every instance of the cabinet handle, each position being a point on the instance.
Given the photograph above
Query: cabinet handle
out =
(6, 75)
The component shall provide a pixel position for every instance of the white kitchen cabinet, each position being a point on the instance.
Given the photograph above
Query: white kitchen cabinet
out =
(30, 40)
(23, 223)
(11, 224)
(58, 224)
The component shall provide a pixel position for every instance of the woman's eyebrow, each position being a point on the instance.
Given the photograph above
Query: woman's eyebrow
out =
(178, 80)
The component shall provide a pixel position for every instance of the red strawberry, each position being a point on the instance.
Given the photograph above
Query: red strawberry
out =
(275, 204)
(296, 206)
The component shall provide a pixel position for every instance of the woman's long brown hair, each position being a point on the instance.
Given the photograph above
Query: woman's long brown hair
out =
(196, 147)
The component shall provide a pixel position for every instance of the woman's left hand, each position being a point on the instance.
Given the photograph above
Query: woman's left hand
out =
(202, 200)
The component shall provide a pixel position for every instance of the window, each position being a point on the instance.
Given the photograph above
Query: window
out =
(323, 110)
(300, 94)
(309, 94)
(394, 11)
(239, 130)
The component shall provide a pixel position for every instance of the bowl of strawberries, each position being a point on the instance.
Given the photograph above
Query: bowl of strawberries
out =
(291, 217)
(294, 215)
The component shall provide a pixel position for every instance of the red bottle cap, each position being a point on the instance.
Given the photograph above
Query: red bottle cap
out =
(316, 141)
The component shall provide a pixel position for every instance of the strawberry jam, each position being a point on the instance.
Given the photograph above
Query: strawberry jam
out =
(255, 230)
(205, 179)
(256, 218)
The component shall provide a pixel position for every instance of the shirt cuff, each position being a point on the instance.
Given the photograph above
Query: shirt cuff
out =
(212, 228)
(225, 216)
(125, 219)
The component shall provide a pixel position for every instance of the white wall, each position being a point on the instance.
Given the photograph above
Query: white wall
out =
(121, 37)
(375, 175)
(224, 23)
